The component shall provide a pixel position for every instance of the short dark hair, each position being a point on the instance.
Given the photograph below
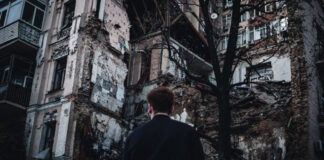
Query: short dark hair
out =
(161, 99)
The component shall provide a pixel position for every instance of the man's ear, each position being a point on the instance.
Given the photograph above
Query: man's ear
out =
(150, 109)
(172, 109)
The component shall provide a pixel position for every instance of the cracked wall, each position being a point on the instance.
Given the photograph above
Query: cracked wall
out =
(108, 76)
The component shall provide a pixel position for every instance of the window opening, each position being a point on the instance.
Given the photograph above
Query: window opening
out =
(28, 13)
(59, 73)
(251, 37)
(33, 14)
(260, 72)
(14, 12)
(226, 21)
(224, 43)
(3, 15)
(68, 14)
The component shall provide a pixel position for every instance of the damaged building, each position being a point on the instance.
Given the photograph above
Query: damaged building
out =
(276, 114)
(81, 88)
(78, 88)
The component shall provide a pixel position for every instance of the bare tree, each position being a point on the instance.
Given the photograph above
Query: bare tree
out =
(223, 65)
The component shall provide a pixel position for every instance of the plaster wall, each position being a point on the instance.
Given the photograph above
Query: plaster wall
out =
(108, 76)
(117, 23)
(63, 124)
(280, 67)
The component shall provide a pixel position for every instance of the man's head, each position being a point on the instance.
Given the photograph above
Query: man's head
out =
(161, 99)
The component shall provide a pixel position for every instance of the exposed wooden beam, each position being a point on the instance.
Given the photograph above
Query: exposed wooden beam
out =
(137, 17)
(176, 19)
(160, 13)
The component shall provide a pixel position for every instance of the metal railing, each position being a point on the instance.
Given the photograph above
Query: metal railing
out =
(22, 30)
(15, 93)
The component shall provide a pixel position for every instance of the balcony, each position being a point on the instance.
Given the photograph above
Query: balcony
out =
(21, 31)
(14, 94)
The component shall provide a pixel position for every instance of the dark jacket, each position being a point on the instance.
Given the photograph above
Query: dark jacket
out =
(163, 139)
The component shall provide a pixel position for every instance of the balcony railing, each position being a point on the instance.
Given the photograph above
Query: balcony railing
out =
(21, 30)
(15, 94)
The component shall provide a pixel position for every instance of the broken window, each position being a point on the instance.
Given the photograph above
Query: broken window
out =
(226, 21)
(224, 43)
(268, 8)
(47, 138)
(251, 36)
(33, 14)
(243, 17)
(260, 72)
(59, 73)
(68, 14)
(3, 14)
(241, 38)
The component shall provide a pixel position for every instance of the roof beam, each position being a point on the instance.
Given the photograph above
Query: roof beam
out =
(137, 17)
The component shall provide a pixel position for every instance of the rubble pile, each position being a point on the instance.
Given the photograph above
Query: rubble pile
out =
(259, 118)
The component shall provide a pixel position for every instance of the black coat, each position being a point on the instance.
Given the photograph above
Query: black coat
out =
(163, 139)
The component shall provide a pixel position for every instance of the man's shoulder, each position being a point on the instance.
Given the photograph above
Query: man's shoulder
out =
(182, 126)
(139, 128)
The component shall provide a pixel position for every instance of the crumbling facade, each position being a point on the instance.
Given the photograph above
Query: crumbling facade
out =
(79, 81)
(279, 103)
(98, 59)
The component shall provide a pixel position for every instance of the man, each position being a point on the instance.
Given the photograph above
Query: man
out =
(163, 138)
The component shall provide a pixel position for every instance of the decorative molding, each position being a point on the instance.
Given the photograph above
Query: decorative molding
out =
(63, 33)
(60, 52)
(50, 117)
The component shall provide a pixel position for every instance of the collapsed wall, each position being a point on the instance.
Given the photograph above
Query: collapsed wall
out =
(260, 125)
(100, 129)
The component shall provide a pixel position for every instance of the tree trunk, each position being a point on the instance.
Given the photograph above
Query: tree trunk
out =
(224, 124)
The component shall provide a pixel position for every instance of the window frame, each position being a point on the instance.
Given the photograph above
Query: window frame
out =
(227, 20)
(263, 69)
(268, 8)
(5, 8)
(243, 17)
(62, 73)
(34, 14)
(224, 42)
(251, 35)
(63, 26)
(10, 6)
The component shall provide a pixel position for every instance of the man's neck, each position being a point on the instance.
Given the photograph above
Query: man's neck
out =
(161, 113)
(158, 113)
